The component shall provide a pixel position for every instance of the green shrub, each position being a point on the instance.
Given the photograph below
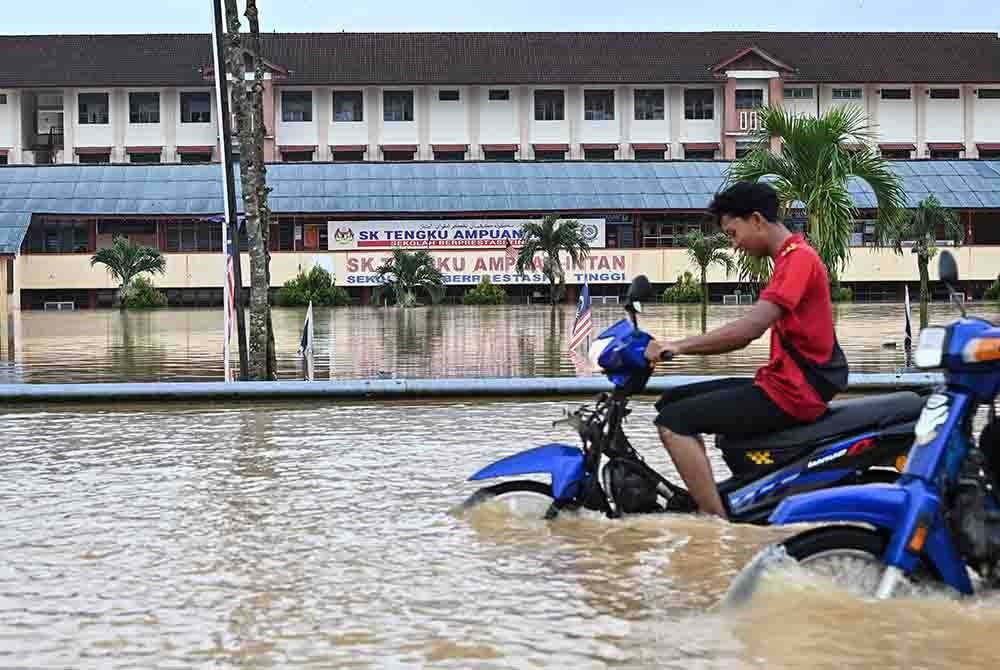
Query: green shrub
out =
(485, 293)
(993, 292)
(141, 294)
(316, 287)
(844, 294)
(686, 290)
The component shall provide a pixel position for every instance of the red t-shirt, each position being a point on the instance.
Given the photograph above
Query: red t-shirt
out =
(801, 288)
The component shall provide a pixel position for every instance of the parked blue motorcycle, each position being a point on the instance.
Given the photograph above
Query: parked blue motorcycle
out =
(855, 442)
(942, 517)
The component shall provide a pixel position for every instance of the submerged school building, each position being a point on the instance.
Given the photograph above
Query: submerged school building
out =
(347, 217)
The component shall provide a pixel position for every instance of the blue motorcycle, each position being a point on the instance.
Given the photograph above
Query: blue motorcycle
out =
(855, 442)
(942, 517)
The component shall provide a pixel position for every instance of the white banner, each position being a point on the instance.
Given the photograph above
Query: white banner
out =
(442, 233)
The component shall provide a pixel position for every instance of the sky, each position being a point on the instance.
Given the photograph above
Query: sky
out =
(160, 16)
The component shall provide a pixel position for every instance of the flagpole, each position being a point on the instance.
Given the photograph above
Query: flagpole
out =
(230, 229)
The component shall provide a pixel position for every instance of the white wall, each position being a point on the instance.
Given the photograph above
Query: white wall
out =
(499, 122)
(402, 132)
(8, 125)
(801, 106)
(987, 120)
(550, 132)
(143, 134)
(945, 119)
(351, 132)
(897, 118)
(197, 134)
(296, 133)
(448, 118)
(94, 134)
(701, 130)
(657, 130)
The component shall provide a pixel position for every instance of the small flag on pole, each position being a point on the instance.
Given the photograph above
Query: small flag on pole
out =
(583, 326)
(229, 308)
(306, 344)
(511, 252)
(908, 340)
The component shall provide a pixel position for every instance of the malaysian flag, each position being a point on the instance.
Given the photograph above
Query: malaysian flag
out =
(229, 307)
(511, 252)
(306, 343)
(908, 339)
(583, 326)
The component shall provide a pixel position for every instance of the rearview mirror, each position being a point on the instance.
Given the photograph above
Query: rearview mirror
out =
(948, 268)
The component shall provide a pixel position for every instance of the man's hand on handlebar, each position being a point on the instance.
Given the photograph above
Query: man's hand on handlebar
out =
(657, 352)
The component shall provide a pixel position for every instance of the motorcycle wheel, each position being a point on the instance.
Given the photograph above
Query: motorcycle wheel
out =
(850, 557)
(521, 497)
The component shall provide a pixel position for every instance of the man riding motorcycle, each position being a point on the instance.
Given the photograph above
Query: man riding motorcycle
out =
(806, 367)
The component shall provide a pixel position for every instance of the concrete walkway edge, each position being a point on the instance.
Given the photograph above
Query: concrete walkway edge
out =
(388, 389)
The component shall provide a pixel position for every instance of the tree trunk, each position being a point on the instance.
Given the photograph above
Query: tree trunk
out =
(249, 107)
(922, 262)
(704, 300)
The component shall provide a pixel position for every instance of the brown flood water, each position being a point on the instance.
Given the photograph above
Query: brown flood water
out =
(450, 341)
(324, 536)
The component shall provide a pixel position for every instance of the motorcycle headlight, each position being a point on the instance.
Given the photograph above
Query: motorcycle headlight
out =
(930, 348)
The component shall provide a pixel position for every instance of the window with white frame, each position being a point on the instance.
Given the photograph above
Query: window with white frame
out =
(397, 106)
(749, 98)
(144, 107)
(988, 93)
(499, 94)
(945, 94)
(798, 93)
(93, 108)
(649, 104)
(348, 106)
(449, 95)
(550, 105)
(3, 98)
(840, 94)
(599, 105)
(196, 107)
(699, 104)
(896, 94)
(296, 106)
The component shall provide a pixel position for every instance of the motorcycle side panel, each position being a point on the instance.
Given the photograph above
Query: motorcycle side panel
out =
(562, 461)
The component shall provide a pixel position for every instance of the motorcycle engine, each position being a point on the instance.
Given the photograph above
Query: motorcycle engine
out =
(977, 528)
(631, 490)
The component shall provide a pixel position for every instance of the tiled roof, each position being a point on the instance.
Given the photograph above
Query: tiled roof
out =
(512, 58)
(442, 188)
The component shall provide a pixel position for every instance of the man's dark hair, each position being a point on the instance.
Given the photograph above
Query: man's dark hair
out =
(743, 199)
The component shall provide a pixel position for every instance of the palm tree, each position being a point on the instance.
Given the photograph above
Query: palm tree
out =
(552, 238)
(921, 227)
(407, 272)
(706, 251)
(126, 261)
(818, 158)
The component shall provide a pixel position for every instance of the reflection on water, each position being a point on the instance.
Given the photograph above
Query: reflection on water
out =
(453, 341)
(322, 536)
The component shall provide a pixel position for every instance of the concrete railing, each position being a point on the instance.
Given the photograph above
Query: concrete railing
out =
(388, 389)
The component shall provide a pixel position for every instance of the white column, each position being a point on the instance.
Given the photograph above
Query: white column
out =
(119, 121)
(69, 125)
(624, 104)
(675, 103)
(969, 118)
(422, 105)
(472, 95)
(920, 119)
(373, 108)
(170, 104)
(526, 114)
(574, 116)
(324, 117)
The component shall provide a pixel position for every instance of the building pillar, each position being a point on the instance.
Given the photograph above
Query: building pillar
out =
(4, 306)
(969, 126)
(270, 124)
(730, 120)
(675, 104)
(324, 117)
(422, 108)
(373, 108)
(473, 96)
(526, 115)
(625, 109)
(574, 117)
(170, 103)
(920, 117)
(69, 125)
(776, 98)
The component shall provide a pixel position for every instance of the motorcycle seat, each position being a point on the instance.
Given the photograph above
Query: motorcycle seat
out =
(842, 417)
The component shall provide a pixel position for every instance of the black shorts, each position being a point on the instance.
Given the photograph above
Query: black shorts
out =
(721, 407)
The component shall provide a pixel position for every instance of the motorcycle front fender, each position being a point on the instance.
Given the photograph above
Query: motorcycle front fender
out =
(562, 461)
(896, 508)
